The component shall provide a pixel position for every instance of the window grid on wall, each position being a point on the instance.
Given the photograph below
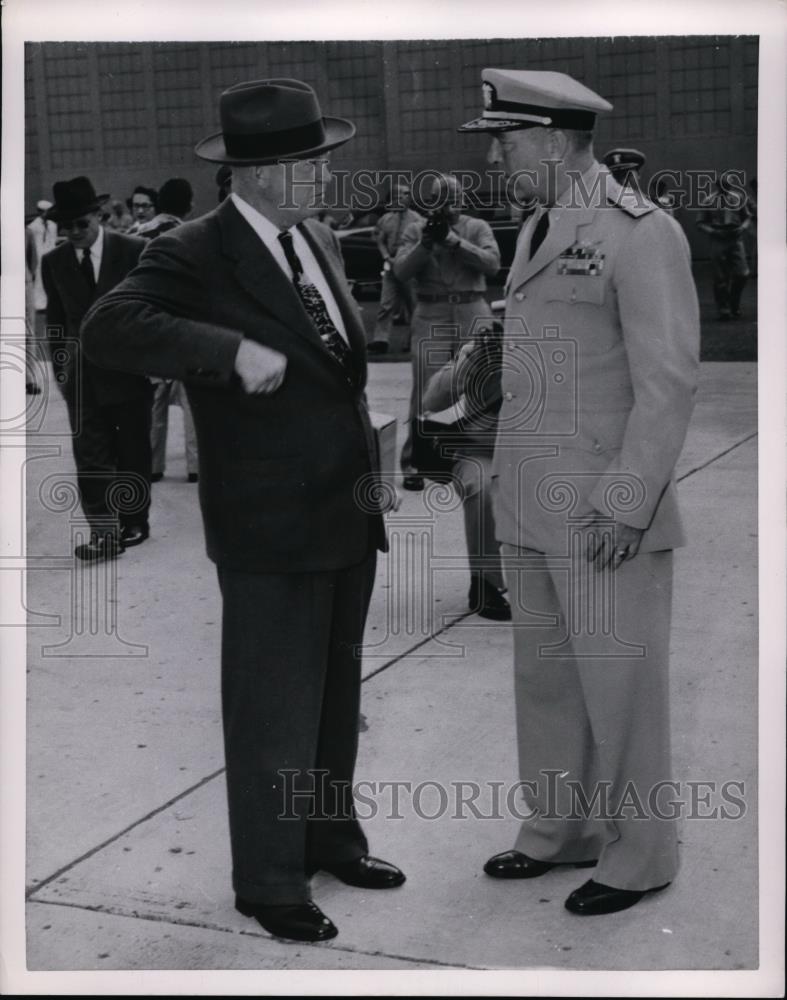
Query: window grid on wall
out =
(355, 91)
(177, 83)
(627, 79)
(122, 103)
(750, 71)
(69, 120)
(699, 78)
(425, 96)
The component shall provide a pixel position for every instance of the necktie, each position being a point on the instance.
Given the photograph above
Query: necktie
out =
(314, 304)
(539, 233)
(86, 267)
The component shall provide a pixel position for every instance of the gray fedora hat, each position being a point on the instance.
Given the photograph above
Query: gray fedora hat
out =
(266, 121)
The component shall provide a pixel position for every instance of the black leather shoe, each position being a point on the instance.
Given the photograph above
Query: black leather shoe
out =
(134, 534)
(32, 388)
(156, 477)
(514, 864)
(595, 898)
(298, 922)
(192, 477)
(487, 601)
(414, 483)
(377, 347)
(98, 548)
(366, 873)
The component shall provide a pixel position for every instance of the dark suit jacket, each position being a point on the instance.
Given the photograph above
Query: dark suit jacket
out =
(68, 299)
(278, 473)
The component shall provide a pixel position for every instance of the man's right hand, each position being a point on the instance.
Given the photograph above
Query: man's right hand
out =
(260, 368)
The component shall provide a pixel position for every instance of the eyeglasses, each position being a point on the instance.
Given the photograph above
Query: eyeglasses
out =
(83, 224)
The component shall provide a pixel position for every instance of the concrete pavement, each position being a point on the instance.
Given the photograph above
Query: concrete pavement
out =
(128, 856)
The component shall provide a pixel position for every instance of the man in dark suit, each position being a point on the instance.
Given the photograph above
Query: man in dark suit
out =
(109, 411)
(249, 306)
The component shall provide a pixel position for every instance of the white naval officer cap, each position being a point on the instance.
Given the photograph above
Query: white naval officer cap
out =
(520, 98)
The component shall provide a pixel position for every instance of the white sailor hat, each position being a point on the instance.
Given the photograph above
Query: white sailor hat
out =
(518, 98)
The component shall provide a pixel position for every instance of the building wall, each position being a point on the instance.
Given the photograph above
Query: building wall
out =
(131, 113)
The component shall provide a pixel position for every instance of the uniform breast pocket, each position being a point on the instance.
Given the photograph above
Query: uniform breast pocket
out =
(575, 289)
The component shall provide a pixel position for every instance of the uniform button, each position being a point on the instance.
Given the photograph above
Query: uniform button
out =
(508, 396)
(519, 296)
(596, 446)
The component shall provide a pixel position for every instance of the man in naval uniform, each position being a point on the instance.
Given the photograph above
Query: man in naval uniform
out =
(599, 374)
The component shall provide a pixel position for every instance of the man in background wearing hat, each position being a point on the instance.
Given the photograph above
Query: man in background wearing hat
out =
(625, 165)
(599, 374)
(249, 306)
(109, 411)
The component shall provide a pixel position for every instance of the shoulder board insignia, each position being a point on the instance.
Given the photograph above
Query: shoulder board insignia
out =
(632, 203)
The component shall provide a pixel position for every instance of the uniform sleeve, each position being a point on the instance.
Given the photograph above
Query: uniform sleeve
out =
(441, 390)
(150, 324)
(412, 255)
(480, 252)
(659, 318)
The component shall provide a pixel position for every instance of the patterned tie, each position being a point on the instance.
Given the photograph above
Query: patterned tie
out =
(539, 233)
(86, 267)
(314, 304)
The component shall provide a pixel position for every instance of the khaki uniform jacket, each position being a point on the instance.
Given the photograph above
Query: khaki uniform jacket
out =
(600, 367)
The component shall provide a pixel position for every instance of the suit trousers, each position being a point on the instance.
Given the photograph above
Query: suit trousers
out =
(166, 392)
(111, 443)
(592, 713)
(483, 550)
(393, 294)
(291, 676)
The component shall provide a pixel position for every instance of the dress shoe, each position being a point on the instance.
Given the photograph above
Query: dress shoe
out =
(413, 482)
(514, 864)
(156, 477)
(487, 601)
(298, 922)
(365, 873)
(377, 347)
(98, 548)
(32, 388)
(134, 534)
(192, 477)
(595, 898)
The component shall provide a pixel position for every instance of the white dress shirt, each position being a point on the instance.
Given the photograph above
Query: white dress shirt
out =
(312, 272)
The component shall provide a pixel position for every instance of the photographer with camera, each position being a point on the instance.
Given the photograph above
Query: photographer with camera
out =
(449, 255)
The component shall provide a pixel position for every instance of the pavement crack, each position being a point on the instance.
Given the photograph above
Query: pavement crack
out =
(209, 926)
(31, 890)
(121, 833)
(721, 454)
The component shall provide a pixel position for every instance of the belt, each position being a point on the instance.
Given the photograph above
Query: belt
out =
(452, 297)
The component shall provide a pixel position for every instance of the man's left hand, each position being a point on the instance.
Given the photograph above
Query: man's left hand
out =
(611, 545)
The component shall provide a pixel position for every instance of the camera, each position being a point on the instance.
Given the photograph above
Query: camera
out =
(437, 225)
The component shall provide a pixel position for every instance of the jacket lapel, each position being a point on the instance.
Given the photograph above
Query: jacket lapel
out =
(260, 275)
